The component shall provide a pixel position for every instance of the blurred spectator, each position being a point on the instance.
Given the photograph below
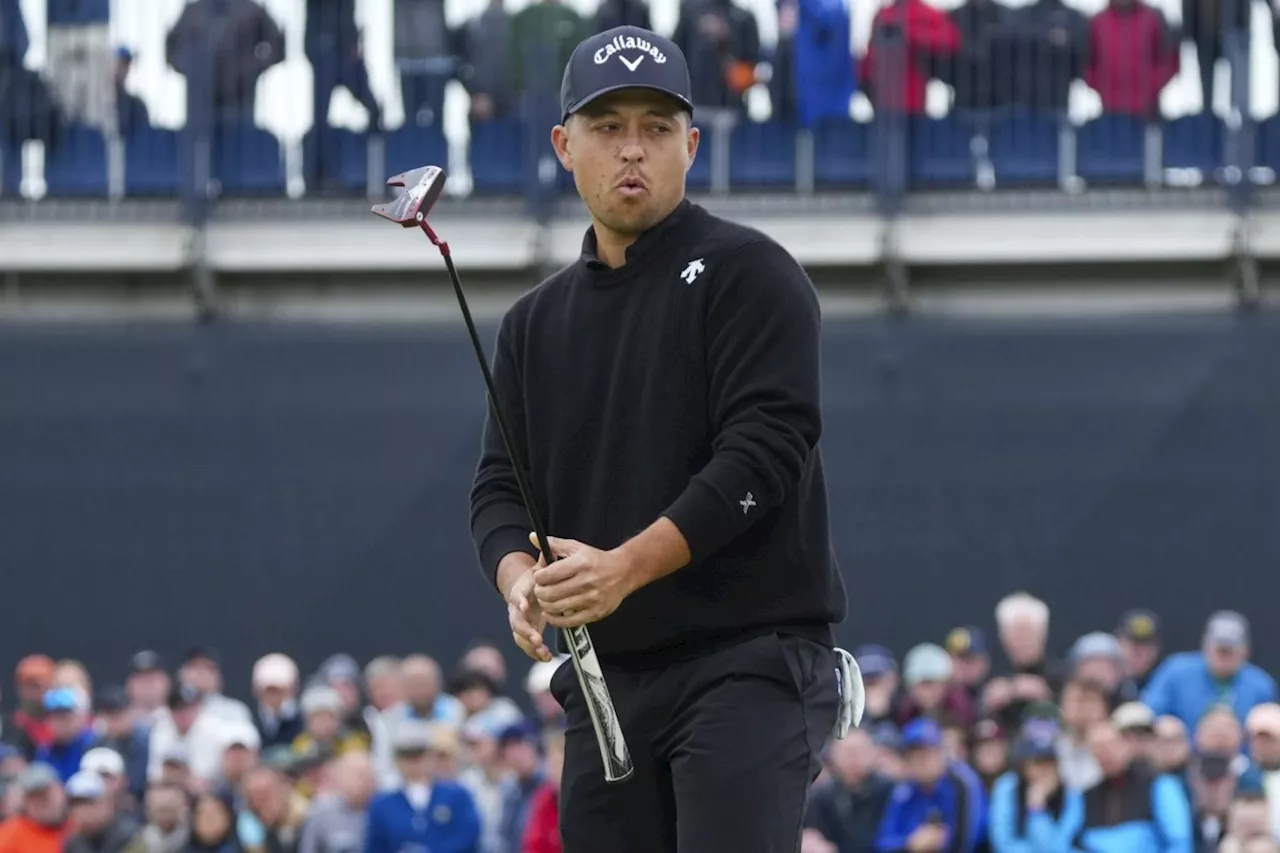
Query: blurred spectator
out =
(42, 825)
(909, 39)
(926, 674)
(955, 740)
(1139, 635)
(202, 669)
(977, 69)
(1247, 823)
(1096, 657)
(241, 753)
(939, 806)
(334, 48)
(337, 821)
(1048, 50)
(71, 736)
(970, 660)
(486, 45)
(107, 765)
(382, 680)
(820, 78)
(1137, 725)
(880, 678)
(538, 685)
(189, 730)
(275, 685)
(989, 752)
(342, 673)
(148, 685)
(131, 112)
(487, 658)
(324, 725)
(622, 13)
(1188, 683)
(272, 821)
(479, 694)
(423, 700)
(1032, 808)
(168, 812)
(518, 747)
(79, 59)
(1213, 772)
(542, 833)
(844, 811)
(721, 42)
(26, 728)
(118, 729)
(1084, 705)
(99, 826)
(1022, 621)
(1219, 29)
(213, 826)
(426, 58)
(1132, 58)
(1132, 808)
(1263, 730)
(1173, 746)
(72, 675)
(483, 777)
(175, 769)
(434, 813)
(222, 74)
(888, 743)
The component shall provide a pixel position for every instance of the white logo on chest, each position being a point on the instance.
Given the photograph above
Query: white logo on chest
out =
(691, 272)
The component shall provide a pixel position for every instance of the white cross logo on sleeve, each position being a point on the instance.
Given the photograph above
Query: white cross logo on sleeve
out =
(747, 503)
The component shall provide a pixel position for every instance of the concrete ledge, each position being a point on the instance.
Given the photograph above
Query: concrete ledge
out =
(93, 247)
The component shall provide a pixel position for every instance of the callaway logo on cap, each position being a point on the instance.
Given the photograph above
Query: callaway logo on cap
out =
(624, 58)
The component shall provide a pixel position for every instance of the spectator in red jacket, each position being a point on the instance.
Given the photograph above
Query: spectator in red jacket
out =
(542, 832)
(907, 39)
(1134, 57)
(26, 729)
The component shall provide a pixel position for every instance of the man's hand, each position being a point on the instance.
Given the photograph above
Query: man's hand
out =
(583, 584)
(523, 613)
(815, 842)
(929, 838)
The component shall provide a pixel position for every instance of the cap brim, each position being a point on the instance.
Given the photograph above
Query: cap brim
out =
(595, 96)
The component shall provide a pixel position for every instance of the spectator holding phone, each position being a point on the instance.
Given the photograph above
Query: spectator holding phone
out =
(939, 806)
(1032, 809)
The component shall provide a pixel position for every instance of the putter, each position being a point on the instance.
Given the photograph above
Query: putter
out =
(422, 188)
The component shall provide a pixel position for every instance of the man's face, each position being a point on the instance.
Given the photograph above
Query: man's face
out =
(203, 675)
(483, 750)
(475, 699)
(384, 691)
(47, 807)
(1139, 658)
(970, 669)
(1082, 708)
(991, 757)
(175, 773)
(1109, 750)
(421, 686)
(629, 153)
(522, 757)
(322, 725)
(1220, 733)
(65, 725)
(355, 779)
(414, 765)
(92, 816)
(1100, 669)
(273, 697)
(1023, 641)
(166, 808)
(925, 765)
(488, 660)
(147, 690)
(928, 694)
(237, 761)
(852, 758)
(267, 797)
(31, 692)
(1225, 661)
(1172, 749)
(118, 724)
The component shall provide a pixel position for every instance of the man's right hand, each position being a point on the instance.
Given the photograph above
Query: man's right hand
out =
(523, 613)
(929, 838)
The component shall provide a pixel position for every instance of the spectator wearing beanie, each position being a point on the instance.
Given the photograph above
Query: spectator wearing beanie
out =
(926, 674)
(1097, 657)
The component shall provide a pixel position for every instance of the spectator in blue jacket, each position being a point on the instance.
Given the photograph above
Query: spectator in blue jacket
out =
(1188, 684)
(939, 806)
(72, 736)
(1032, 810)
(81, 63)
(120, 730)
(818, 80)
(424, 813)
(1133, 809)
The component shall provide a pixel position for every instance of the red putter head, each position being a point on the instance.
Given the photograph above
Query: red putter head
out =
(422, 188)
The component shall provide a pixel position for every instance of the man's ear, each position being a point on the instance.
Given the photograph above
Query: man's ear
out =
(560, 142)
(695, 137)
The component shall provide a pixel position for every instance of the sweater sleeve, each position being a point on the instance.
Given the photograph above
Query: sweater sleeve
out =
(499, 521)
(762, 330)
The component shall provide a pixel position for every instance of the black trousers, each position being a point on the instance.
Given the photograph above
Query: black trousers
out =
(725, 747)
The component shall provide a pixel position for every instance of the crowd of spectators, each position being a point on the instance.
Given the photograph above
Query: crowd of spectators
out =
(965, 746)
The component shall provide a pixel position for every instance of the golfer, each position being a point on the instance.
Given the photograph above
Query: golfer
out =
(664, 391)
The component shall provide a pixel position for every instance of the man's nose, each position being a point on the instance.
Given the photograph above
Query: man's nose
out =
(631, 150)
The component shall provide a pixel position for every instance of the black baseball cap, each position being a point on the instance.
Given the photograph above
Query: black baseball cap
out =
(146, 661)
(112, 698)
(1139, 626)
(196, 653)
(624, 58)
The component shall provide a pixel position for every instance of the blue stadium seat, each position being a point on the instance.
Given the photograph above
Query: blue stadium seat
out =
(1112, 149)
(841, 154)
(10, 168)
(1194, 142)
(247, 161)
(349, 168)
(939, 152)
(152, 162)
(699, 177)
(1024, 148)
(763, 154)
(77, 165)
(1269, 143)
(495, 156)
(411, 146)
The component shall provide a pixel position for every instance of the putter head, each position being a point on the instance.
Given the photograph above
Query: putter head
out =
(422, 186)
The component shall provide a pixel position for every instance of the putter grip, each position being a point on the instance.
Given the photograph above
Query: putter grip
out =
(604, 717)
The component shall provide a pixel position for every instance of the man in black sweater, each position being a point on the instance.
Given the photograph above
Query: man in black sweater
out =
(663, 391)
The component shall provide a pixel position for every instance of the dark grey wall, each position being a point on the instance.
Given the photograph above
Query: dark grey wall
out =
(305, 488)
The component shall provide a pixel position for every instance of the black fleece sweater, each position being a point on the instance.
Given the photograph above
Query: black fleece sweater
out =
(683, 384)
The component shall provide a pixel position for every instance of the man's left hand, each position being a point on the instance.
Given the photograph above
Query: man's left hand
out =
(583, 584)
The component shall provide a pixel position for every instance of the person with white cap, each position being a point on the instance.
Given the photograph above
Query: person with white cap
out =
(109, 766)
(241, 753)
(926, 674)
(1189, 683)
(275, 686)
(100, 826)
(1263, 728)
